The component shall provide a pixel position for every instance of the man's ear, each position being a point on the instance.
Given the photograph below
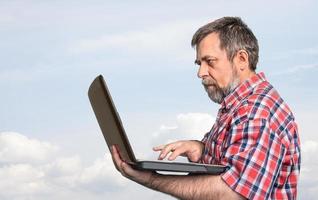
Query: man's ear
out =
(241, 60)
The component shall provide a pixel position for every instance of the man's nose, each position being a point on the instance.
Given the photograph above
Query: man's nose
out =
(203, 71)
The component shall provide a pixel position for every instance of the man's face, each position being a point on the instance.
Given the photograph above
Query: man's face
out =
(218, 74)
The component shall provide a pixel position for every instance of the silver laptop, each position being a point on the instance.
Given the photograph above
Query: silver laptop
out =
(114, 134)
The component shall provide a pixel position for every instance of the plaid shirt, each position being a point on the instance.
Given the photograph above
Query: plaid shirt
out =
(256, 136)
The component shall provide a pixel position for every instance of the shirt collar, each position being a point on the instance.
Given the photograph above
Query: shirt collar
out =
(242, 91)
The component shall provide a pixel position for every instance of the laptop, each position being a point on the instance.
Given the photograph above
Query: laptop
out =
(114, 134)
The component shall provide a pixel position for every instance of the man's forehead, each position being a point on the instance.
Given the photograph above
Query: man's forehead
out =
(211, 38)
(208, 46)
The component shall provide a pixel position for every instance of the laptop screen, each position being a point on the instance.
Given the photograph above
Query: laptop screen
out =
(108, 118)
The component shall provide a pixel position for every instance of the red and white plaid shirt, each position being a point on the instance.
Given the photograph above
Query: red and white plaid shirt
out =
(255, 134)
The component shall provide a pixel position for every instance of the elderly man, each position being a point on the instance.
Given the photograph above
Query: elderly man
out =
(255, 133)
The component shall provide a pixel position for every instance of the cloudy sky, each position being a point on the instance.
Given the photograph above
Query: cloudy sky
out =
(50, 143)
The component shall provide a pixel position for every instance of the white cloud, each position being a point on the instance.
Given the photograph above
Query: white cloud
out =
(21, 179)
(101, 174)
(15, 148)
(31, 169)
(310, 146)
(194, 124)
(308, 173)
(188, 126)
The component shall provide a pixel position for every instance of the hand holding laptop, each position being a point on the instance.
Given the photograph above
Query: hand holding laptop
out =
(139, 176)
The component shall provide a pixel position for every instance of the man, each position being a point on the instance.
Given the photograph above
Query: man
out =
(254, 134)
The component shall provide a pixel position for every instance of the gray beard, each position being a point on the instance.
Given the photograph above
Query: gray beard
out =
(215, 92)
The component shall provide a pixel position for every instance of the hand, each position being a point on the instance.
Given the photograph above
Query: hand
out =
(192, 149)
(142, 177)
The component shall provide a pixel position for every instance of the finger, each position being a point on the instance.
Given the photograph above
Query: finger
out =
(142, 177)
(128, 171)
(116, 158)
(165, 151)
(158, 148)
(176, 153)
(124, 168)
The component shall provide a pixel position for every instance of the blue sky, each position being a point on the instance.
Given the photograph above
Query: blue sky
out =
(51, 50)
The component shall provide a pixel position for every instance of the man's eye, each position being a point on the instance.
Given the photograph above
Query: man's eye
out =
(210, 62)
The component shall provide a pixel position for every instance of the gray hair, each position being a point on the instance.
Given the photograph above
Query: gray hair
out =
(234, 35)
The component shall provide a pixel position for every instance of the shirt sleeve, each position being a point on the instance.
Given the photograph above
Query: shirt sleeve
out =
(254, 155)
(205, 138)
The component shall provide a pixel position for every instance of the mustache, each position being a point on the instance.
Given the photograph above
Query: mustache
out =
(208, 82)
